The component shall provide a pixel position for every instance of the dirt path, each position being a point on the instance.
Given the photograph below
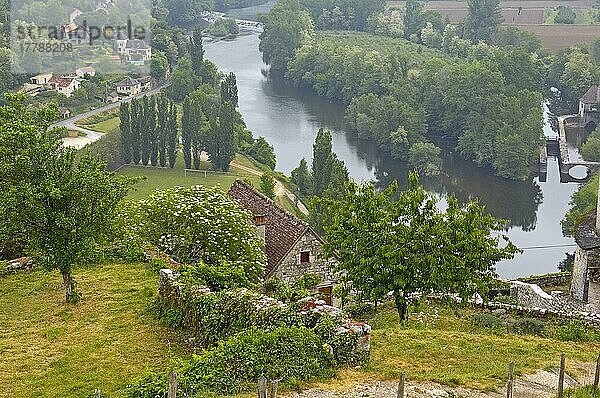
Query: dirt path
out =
(280, 189)
(542, 384)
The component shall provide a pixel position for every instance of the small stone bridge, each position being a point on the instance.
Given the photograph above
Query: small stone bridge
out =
(557, 147)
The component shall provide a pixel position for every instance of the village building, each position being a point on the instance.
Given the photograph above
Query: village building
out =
(585, 282)
(41, 79)
(85, 71)
(128, 87)
(293, 248)
(64, 113)
(145, 83)
(65, 85)
(589, 107)
(137, 52)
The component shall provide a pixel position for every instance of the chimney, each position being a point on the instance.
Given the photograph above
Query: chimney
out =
(260, 221)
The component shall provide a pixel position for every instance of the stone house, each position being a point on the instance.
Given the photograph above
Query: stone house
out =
(293, 248)
(589, 107)
(585, 282)
(128, 87)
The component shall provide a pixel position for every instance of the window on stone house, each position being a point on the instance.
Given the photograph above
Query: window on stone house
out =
(305, 257)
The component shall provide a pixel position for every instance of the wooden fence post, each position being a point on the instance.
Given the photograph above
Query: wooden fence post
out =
(511, 377)
(561, 376)
(262, 387)
(172, 384)
(597, 375)
(273, 392)
(401, 385)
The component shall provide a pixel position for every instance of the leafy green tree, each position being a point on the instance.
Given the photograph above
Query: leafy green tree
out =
(220, 139)
(201, 224)
(425, 157)
(63, 205)
(302, 178)
(261, 151)
(413, 19)
(322, 162)
(144, 120)
(162, 118)
(286, 28)
(580, 72)
(483, 20)
(153, 130)
(183, 81)
(408, 246)
(565, 15)
(583, 201)
(267, 185)
(197, 51)
(159, 65)
(590, 150)
(172, 134)
(187, 131)
(135, 131)
(125, 126)
(229, 90)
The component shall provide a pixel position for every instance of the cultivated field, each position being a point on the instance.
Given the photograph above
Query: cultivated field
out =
(555, 37)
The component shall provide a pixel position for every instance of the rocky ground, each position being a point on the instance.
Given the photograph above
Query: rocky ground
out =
(542, 384)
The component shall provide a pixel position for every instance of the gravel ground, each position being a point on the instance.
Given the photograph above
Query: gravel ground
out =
(541, 384)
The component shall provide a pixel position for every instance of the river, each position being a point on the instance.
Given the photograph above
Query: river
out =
(289, 119)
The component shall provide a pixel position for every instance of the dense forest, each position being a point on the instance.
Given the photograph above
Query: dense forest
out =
(478, 87)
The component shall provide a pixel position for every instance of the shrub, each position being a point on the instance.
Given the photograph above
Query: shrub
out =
(502, 298)
(487, 321)
(287, 354)
(201, 225)
(529, 326)
(359, 310)
(576, 330)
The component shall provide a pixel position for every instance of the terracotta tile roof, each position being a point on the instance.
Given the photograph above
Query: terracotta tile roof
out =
(128, 82)
(282, 229)
(585, 232)
(592, 96)
(61, 81)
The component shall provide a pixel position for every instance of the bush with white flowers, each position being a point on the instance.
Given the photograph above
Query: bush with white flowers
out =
(200, 224)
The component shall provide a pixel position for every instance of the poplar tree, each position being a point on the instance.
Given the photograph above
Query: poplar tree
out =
(172, 134)
(162, 107)
(229, 90)
(135, 138)
(125, 124)
(322, 162)
(187, 127)
(144, 130)
(226, 136)
(197, 51)
(153, 131)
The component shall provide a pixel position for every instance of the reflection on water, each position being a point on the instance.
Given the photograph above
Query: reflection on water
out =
(289, 119)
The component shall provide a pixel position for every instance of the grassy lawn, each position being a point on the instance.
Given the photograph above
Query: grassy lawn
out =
(441, 344)
(105, 125)
(107, 340)
(158, 178)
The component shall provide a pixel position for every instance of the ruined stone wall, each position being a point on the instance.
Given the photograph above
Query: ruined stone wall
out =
(579, 279)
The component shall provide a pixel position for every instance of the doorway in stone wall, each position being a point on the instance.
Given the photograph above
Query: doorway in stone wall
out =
(326, 293)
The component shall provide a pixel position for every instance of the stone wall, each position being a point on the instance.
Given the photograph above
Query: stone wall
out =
(533, 296)
(579, 279)
(550, 280)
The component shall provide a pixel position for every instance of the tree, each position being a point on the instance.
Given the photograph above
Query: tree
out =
(197, 51)
(229, 90)
(220, 140)
(63, 205)
(425, 157)
(183, 81)
(267, 185)
(162, 106)
(590, 150)
(565, 15)
(172, 134)
(286, 28)
(580, 72)
(135, 130)
(413, 19)
(144, 120)
(125, 126)
(187, 131)
(152, 129)
(322, 162)
(408, 246)
(302, 178)
(483, 20)
(159, 65)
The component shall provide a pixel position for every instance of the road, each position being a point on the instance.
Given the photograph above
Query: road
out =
(91, 136)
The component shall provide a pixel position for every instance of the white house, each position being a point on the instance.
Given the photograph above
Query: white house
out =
(66, 85)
